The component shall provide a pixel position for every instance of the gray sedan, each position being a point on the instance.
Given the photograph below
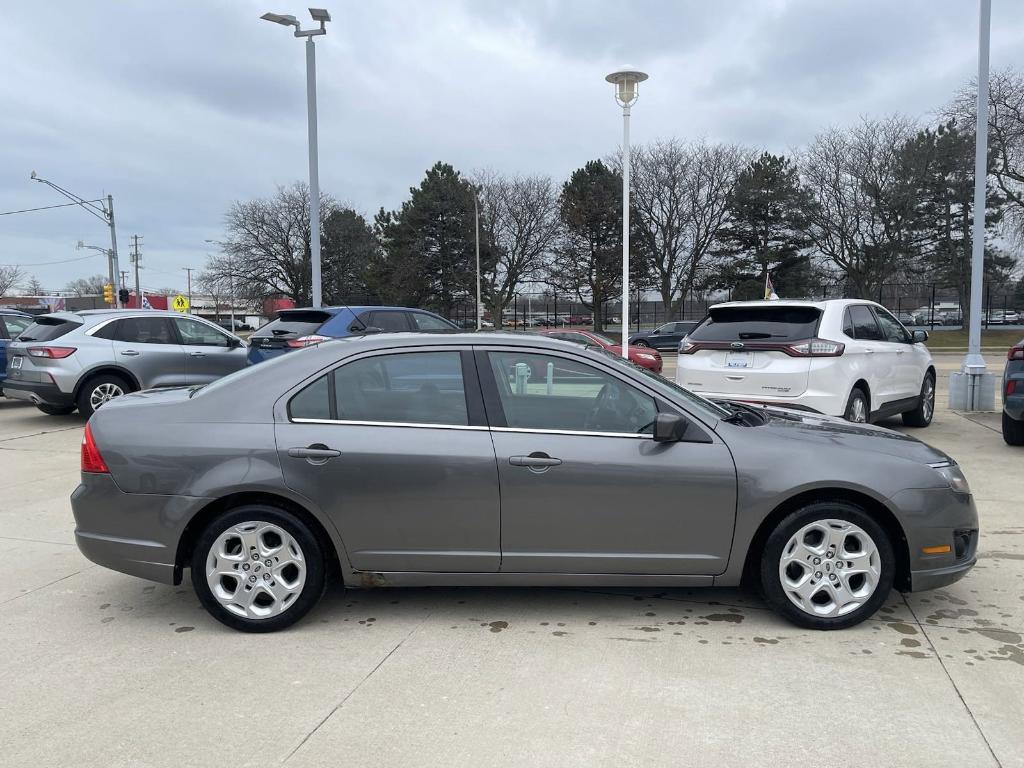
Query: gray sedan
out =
(495, 459)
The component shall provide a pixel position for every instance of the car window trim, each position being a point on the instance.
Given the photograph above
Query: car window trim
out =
(875, 311)
(406, 424)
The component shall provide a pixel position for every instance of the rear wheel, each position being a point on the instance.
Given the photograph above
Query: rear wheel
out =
(99, 391)
(857, 407)
(1013, 430)
(828, 565)
(640, 343)
(56, 410)
(258, 568)
(921, 416)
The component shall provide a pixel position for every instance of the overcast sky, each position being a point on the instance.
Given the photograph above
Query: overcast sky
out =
(177, 109)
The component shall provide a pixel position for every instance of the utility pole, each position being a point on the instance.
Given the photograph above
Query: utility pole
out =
(189, 271)
(113, 249)
(135, 260)
(124, 277)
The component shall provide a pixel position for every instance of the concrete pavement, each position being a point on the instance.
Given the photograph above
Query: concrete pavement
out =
(101, 669)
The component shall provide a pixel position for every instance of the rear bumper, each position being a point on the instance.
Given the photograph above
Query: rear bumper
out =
(39, 393)
(817, 402)
(134, 533)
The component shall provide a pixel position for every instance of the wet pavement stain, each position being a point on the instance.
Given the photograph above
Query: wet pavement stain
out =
(559, 633)
(647, 629)
(1000, 635)
(951, 613)
(104, 606)
(914, 654)
(906, 642)
(1001, 555)
(1010, 653)
(634, 639)
(179, 630)
(497, 626)
(734, 618)
(905, 629)
(107, 620)
(766, 641)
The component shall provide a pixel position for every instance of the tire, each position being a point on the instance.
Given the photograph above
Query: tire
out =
(1013, 430)
(921, 416)
(91, 395)
(56, 410)
(835, 600)
(295, 583)
(857, 408)
(640, 343)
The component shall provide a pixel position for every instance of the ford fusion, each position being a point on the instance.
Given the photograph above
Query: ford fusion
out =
(492, 459)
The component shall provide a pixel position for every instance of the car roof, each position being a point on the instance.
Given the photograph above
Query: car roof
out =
(820, 304)
(4, 311)
(411, 340)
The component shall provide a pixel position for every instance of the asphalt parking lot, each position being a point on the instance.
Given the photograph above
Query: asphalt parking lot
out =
(101, 669)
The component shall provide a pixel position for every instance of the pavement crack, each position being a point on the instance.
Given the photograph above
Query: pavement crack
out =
(949, 677)
(43, 586)
(38, 434)
(351, 693)
(38, 541)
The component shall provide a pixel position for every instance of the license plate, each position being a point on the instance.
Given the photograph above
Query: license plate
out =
(737, 359)
(15, 363)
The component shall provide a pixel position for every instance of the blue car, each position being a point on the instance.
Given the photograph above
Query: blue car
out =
(12, 323)
(298, 328)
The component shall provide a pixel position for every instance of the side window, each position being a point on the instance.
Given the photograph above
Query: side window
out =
(389, 321)
(414, 387)
(313, 402)
(848, 323)
(196, 333)
(429, 323)
(144, 330)
(864, 326)
(891, 327)
(546, 392)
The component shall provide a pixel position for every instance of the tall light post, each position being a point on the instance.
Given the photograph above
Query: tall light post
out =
(105, 251)
(321, 16)
(476, 219)
(627, 88)
(104, 213)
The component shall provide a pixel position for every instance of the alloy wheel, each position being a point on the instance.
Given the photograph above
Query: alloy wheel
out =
(858, 411)
(830, 568)
(928, 399)
(256, 570)
(104, 393)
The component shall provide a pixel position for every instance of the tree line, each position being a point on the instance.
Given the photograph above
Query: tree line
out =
(885, 200)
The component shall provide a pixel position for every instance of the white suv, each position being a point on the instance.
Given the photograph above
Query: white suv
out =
(841, 357)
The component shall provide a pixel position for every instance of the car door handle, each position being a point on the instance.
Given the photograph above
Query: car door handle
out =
(900, 351)
(197, 354)
(315, 451)
(534, 460)
(869, 351)
(130, 353)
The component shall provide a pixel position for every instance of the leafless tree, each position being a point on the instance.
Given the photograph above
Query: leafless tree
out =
(519, 223)
(859, 211)
(215, 281)
(679, 195)
(9, 277)
(87, 286)
(32, 286)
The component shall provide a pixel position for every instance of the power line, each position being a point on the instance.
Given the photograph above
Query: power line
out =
(45, 208)
(48, 263)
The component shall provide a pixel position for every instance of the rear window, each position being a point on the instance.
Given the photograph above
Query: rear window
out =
(756, 323)
(48, 328)
(290, 325)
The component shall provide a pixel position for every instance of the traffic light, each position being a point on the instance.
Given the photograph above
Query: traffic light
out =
(124, 295)
(108, 293)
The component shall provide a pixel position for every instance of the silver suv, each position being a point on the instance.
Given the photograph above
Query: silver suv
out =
(69, 360)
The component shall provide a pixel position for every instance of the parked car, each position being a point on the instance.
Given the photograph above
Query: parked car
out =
(840, 357)
(645, 357)
(239, 325)
(995, 317)
(665, 337)
(298, 328)
(1013, 395)
(12, 323)
(1011, 317)
(269, 481)
(82, 360)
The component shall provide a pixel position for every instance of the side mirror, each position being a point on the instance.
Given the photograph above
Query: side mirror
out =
(669, 428)
(234, 343)
(919, 336)
(371, 329)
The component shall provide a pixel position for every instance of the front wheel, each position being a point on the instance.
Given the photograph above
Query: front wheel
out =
(921, 416)
(258, 568)
(828, 565)
(857, 407)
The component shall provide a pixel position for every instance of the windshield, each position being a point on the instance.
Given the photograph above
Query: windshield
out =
(710, 409)
(742, 323)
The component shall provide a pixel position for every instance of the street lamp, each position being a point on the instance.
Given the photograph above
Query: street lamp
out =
(476, 218)
(104, 213)
(322, 16)
(627, 82)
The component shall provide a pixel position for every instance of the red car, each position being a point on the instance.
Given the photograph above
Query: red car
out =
(645, 357)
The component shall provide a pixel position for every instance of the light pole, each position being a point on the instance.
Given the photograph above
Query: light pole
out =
(321, 16)
(627, 83)
(476, 218)
(104, 213)
(106, 252)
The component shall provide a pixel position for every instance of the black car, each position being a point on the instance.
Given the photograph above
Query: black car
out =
(664, 337)
(1013, 395)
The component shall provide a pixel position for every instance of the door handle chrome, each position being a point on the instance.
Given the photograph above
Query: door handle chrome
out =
(900, 351)
(129, 353)
(314, 452)
(869, 351)
(534, 460)
(197, 354)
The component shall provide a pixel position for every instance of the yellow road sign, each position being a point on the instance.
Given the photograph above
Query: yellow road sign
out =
(179, 303)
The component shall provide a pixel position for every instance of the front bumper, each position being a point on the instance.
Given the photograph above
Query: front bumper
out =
(935, 517)
(38, 392)
(134, 533)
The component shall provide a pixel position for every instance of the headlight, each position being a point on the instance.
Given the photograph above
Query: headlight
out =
(643, 356)
(955, 478)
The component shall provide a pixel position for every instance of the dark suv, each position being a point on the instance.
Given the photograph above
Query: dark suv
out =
(1013, 395)
(298, 328)
(12, 323)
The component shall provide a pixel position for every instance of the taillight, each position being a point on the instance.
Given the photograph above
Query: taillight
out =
(92, 461)
(306, 341)
(1015, 353)
(56, 353)
(1011, 386)
(815, 348)
(687, 347)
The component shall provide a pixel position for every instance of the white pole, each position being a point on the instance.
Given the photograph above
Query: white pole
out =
(476, 215)
(231, 291)
(625, 231)
(974, 357)
(113, 253)
(314, 173)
